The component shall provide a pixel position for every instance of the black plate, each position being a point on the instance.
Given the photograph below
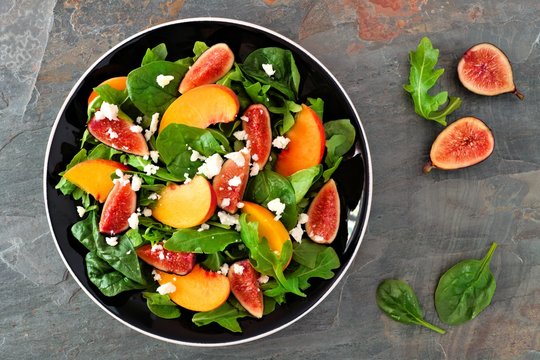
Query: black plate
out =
(354, 177)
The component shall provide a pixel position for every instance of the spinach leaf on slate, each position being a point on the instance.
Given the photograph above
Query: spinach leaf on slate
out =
(398, 300)
(465, 290)
(202, 242)
(144, 91)
(286, 78)
(226, 315)
(161, 305)
(155, 54)
(109, 281)
(302, 180)
(269, 185)
(316, 105)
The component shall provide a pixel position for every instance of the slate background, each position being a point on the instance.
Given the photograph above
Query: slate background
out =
(420, 224)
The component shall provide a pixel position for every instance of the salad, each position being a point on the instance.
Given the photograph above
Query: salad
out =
(205, 183)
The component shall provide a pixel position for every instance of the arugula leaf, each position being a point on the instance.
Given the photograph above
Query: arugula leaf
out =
(423, 77)
(139, 163)
(155, 54)
(226, 315)
(302, 180)
(202, 242)
(161, 305)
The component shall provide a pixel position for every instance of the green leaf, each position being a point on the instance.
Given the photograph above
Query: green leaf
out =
(234, 75)
(87, 231)
(161, 305)
(144, 91)
(139, 163)
(302, 180)
(327, 174)
(316, 105)
(198, 48)
(465, 290)
(226, 316)
(155, 54)
(422, 78)
(213, 261)
(64, 185)
(340, 135)
(202, 242)
(109, 281)
(102, 151)
(398, 300)
(109, 94)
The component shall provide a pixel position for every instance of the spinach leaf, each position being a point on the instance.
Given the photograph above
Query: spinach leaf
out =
(316, 105)
(155, 54)
(226, 315)
(102, 151)
(109, 94)
(465, 290)
(109, 281)
(286, 78)
(213, 261)
(202, 242)
(161, 305)
(287, 110)
(340, 136)
(198, 48)
(327, 174)
(144, 91)
(234, 75)
(398, 300)
(139, 163)
(269, 185)
(87, 231)
(302, 180)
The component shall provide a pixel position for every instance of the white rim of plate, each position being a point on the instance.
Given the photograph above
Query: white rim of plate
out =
(367, 159)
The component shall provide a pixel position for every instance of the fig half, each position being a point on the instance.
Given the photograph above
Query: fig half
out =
(485, 70)
(463, 143)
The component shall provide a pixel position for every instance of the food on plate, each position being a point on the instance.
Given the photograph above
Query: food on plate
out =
(206, 188)
(117, 83)
(485, 70)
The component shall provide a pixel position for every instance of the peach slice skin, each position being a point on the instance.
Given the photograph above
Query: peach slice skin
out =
(202, 106)
(120, 204)
(117, 83)
(94, 176)
(200, 290)
(272, 230)
(306, 146)
(211, 66)
(187, 205)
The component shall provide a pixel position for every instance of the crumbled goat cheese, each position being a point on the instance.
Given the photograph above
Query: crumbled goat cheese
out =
(228, 219)
(255, 157)
(167, 288)
(153, 127)
(224, 269)
(138, 120)
(122, 179)
(225, 202)
(240, 205)
(263, 279)
(237, 269)
(136, 183)
(164, 80)
(112, 134)
(268, 69)
(254, 169)
(107, 111)
(128, 252)
(203, 227)
(187, 178)
(136, 128)
(195, 155)
(150, 169)
(235, 181)
(244, 118)
(154, 155)
(237, 157)
(303, 218)
(277, 207)
(281, 142)
(147, 212)
(240, 135)
(133, 221)
(81, 211)
(157, 277)
(154, 196)
(211, 166)
(317, 238)
(297, 233)
(156, 247)
(111, 241)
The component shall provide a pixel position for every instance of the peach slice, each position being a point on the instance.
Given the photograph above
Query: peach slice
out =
(200, 290)
(225, 191)
(202, 106)
(272, 230)
(306, 146)
(120, 204)
(259, 133)
(245, 287)
(117, 83)
(211, 66)
(187, 205)
(94, 176)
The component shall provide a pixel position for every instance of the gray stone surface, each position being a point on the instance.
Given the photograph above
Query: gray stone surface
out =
(420, 224)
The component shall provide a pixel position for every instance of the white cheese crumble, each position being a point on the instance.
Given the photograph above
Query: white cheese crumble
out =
(268, 69)
(277, 207)
(237, 157)
(133, 221)
(111, 241)
(112, 134)
(138, 120)
(240, 205)
(150, 169)
(211, 166)
(225, 202)
(81, 211)
(235, 181)
(255, 157)
(156, 247)
(154, 196)
(164, 80)
(107, 111)
(147, 212)
(317, 238)
(240, 135)
(136, 183)
(122, 179)
(297, 233)
(244, 118)
(167, 288)
(303, 218)
(154, 155)
(204, 226)
(195, 155)
(281, 142)
(228, 219)
(187, 178)
(153, 127)
(157, 277)
(237, 269)
(136, 129)
(224, 269)
(255, 168)
(263, 279)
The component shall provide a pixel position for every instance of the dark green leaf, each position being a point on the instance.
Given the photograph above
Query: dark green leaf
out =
(109, 281)
(109, 94)
(213, 261)
(226, 315)
(202, 242)
(161, 305)
(340, 136)
(327, 174)
(87, 231)
(157, 53)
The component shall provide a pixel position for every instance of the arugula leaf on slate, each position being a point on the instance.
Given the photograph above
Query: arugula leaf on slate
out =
(423, 77)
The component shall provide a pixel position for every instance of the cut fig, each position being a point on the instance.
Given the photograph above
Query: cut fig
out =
(259, 133)
(230, 184)
(118, 207)
(245, 287)
(323, 215)
(463, 143)
(179, 263)
(485, 70)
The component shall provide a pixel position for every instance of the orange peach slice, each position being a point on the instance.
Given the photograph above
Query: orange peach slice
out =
(117, 83)
(200, 290)
(272, 230)
(94, 176)
(187, 205)
(202, 106)
(306, 146)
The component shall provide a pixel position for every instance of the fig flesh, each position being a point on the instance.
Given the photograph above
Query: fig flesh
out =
(485, 70)
(228, 193)
(245, 287)
(463, 143)
(259, 133)
(118, 207)
(323, 215)
(179, 263)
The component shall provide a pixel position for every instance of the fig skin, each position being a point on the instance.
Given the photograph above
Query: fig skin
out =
(466, 151)
(485, 69)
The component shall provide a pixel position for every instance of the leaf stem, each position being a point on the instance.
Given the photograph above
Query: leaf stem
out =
(432, 327)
